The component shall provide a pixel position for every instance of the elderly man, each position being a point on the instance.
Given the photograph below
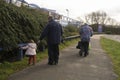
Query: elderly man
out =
(53, 32)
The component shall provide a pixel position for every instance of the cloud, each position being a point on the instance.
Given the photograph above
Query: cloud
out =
(78, 8)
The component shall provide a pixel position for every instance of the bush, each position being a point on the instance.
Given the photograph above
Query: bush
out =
(71, 30)
(18, 25)
(108, 32)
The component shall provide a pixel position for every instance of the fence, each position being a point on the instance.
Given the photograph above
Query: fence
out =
(20, 52)
(71, 37)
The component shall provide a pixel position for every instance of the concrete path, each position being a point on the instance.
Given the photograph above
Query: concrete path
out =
(113, 37)
(96, 66)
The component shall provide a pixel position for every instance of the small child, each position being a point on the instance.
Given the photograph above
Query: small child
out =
(31, 52)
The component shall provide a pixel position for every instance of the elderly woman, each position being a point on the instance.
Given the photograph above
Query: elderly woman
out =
(85, 33)
(30, 52)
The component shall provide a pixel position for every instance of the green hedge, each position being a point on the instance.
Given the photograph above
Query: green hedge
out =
(18, 25)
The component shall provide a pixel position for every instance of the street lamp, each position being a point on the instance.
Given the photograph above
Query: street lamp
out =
(67, 12)
(67, 15)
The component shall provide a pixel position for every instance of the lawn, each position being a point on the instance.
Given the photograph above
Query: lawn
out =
(112, 48)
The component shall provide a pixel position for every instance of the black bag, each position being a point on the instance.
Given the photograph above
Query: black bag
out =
(79, 45)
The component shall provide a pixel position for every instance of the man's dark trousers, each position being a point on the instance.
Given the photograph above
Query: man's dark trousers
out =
(53, 53)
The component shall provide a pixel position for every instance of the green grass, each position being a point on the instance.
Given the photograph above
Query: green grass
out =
(6, 69)
(112, 48)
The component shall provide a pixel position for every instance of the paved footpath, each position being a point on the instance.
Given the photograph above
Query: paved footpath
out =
(96, 66)
(113, 37)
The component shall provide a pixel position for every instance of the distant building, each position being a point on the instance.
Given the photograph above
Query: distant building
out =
(21, 3)
(34, 6)
(64, 20)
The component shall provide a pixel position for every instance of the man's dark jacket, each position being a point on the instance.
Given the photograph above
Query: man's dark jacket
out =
(53, 32)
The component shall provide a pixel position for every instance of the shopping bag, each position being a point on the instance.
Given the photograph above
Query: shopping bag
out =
(79, 45)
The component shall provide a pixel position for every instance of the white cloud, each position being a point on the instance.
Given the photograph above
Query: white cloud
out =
(78, 8)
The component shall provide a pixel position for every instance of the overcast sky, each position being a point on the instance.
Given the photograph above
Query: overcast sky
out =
(79, 8)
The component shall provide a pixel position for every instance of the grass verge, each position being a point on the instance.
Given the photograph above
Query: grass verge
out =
(6, 69)
(112, 48)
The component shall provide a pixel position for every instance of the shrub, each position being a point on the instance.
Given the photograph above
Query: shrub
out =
(18, 25)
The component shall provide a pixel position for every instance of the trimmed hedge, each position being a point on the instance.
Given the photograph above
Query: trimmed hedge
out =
(18, 25)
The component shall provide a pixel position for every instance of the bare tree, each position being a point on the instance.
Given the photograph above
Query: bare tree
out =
(98, 17)
(103, 17)
(111, 21)
(87, 19)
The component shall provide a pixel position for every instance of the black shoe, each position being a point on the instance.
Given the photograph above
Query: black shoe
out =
(85, 55)
(50, 63)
